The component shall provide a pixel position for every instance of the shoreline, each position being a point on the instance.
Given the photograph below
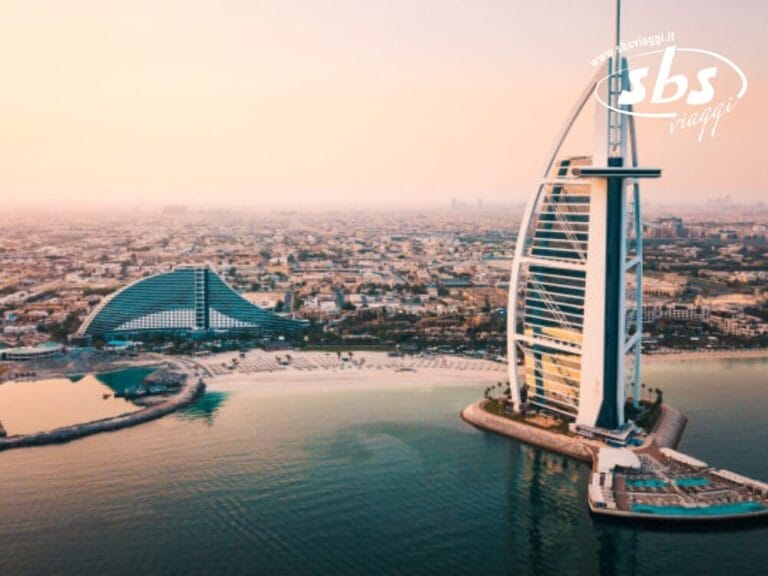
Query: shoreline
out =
(314, 361)
(260, 371)
(684, 355)
(265, 363)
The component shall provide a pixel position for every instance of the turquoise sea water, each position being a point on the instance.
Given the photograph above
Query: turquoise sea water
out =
(363, 482)
(121, 380)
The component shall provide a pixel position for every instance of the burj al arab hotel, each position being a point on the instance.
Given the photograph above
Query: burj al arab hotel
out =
(576, 285)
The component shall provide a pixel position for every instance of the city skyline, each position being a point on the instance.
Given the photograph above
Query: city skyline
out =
(336, 104)
(340, 287)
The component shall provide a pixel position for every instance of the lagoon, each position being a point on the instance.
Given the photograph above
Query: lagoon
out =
(33, 406)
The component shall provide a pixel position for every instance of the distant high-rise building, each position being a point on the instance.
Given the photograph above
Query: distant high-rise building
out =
(574, 342)
(671, 227)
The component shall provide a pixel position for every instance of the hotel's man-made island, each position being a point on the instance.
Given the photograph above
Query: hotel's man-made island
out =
(574, 339)
(635, 474)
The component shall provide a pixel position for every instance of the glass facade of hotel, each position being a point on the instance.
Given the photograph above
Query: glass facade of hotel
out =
(188, 299)
(552, 290)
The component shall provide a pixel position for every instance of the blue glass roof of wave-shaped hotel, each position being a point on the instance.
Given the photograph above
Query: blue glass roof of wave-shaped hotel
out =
(188, 299)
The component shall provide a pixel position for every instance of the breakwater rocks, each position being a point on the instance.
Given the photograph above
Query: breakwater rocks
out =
(552, 441)
(669, 427)
(166, 378)
(187, 395)
(159, 383)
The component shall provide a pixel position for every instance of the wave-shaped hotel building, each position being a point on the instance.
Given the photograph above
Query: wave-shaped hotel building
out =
(187, 300)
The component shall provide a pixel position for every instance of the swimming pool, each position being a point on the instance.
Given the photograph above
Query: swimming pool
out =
(688, 482)
(714, 510)
(645, 482)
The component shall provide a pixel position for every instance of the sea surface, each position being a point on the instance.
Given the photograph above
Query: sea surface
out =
(363, 482)
(34, 406)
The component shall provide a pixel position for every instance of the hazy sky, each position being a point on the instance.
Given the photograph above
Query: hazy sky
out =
(147, 102)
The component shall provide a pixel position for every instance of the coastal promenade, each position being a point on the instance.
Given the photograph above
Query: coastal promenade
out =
(189, 392)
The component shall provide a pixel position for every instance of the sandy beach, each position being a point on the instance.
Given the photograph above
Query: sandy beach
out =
(325, 370)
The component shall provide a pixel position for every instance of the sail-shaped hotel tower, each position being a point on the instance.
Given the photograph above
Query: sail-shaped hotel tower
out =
(576, 285)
